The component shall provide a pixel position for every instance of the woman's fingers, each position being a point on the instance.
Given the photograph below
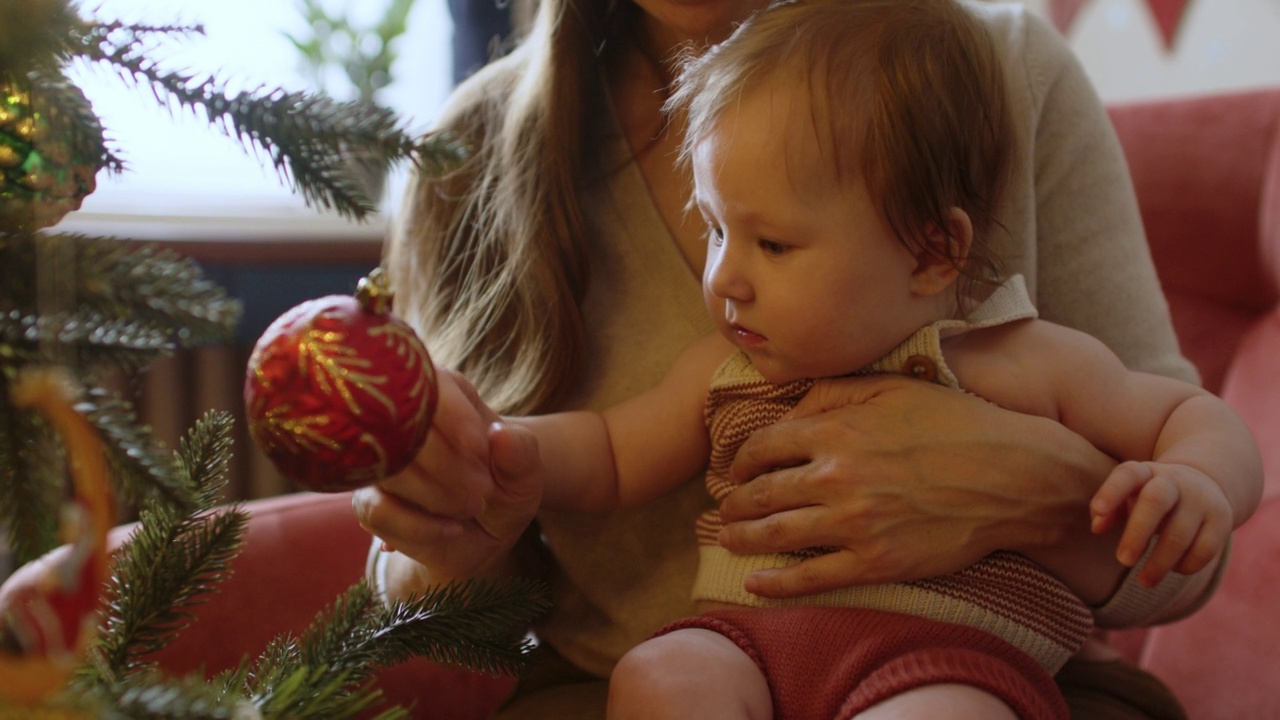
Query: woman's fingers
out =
(399, 523)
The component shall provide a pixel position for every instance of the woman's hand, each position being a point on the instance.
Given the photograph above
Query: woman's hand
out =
(906, 479)
(460, 507)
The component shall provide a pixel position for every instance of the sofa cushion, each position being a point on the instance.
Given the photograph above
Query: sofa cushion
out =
(1221, 661)
(1199, 167)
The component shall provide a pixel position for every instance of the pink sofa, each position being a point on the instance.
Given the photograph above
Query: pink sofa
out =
(1207, 172)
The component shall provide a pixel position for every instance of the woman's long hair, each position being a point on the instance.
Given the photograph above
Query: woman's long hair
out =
(489, 262)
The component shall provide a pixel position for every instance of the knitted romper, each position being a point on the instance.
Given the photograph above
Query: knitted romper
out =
(1004, 625)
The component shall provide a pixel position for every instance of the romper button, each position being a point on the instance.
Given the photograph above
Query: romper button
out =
(920, 366)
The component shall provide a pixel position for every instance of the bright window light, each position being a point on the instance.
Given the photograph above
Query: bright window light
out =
(177, 164)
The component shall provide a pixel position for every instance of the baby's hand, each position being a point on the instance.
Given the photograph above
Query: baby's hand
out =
(1185, 508)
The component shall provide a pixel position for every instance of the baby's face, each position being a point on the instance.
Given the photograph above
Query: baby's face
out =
(802, 272)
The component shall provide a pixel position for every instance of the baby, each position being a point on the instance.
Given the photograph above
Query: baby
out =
(848, 157)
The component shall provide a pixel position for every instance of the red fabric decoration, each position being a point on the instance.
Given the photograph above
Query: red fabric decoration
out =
(1063, 13)
(1167, 14)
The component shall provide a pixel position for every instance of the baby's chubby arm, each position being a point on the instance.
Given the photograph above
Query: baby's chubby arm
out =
(1205, 460)
(633, 452)
(1194, 472)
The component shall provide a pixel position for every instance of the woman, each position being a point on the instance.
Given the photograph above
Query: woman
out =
(558, 269)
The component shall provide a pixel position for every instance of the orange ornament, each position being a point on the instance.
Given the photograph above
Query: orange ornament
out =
(54, 619)
(339, 392)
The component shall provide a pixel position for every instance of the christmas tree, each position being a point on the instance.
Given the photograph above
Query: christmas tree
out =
(76, 311)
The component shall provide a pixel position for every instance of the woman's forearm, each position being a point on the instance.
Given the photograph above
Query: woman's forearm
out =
(1068, 471)
(913, 480)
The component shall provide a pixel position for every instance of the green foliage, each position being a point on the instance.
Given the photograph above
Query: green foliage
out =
(365, 55)
(175, 560)
(28, 500)
(172, 561)
(100, 307)
(322, 674)
(34, 33)
(305, 136)
(117, 308)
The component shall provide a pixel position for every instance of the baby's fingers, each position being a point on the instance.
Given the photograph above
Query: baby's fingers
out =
(1192, 536)
(1155, 502)
(1114, 495)
(1208, 546)
(1207, 541)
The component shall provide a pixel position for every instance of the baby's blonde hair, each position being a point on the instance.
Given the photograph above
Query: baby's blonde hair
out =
(907, 95)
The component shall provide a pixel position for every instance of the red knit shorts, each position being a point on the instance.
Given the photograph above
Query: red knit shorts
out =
(825, 663)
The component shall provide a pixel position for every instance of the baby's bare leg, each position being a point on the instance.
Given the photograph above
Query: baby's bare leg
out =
(690, 673)
(941, 702)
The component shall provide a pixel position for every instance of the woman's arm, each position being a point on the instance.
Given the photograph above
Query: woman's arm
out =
(1092, 266)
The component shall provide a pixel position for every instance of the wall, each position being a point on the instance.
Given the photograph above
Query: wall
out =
(1220, 45)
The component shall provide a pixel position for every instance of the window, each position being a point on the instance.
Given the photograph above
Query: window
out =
(180, 169)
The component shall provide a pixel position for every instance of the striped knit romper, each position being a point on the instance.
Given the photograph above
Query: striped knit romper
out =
(877, 641)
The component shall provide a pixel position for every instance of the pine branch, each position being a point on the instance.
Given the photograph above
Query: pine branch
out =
(476, 624)
(282, 685)
(149, 292)
(20, 343)
(170, 563)
(83, 331)
(30, 479)
(318, 693)
(150, 696)
(34, 34)
(305, 143)
(203, 458)
(143, 473)
(328, 641)
(439, 152)
(157, 284)
(78, 132)
(157, 577)
(307, 137)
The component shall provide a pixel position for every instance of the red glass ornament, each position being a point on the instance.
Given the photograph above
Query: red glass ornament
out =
(339, 392)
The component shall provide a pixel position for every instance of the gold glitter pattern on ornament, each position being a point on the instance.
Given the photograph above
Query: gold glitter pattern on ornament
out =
(337, 367)
(299, 433)
(405, 344)
(375, 471)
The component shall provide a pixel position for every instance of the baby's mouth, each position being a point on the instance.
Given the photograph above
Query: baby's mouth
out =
(747, 338)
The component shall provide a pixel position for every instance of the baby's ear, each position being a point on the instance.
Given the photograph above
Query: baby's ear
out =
(942, 254)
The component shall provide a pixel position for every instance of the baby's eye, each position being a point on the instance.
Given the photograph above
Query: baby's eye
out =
(772, 247)
(715, 235)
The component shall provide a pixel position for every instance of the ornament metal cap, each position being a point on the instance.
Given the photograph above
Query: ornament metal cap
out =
(374, 292)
